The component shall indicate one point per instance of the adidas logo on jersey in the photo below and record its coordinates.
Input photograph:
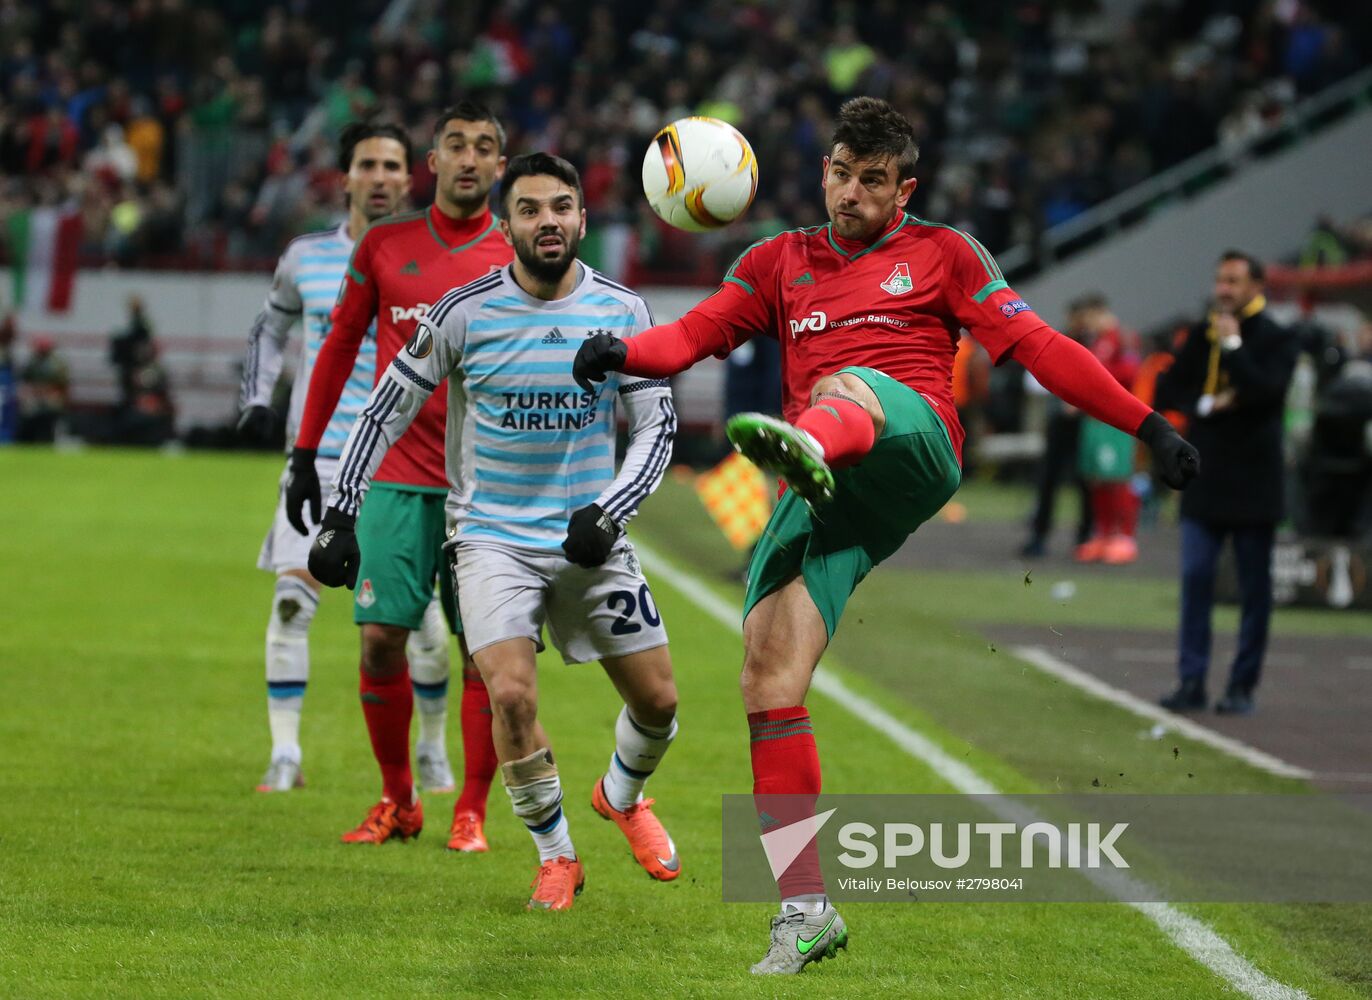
(805, 279)
(554, 337)
(411, 268)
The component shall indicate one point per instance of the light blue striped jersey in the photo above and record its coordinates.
(526, 447)
(305, 287)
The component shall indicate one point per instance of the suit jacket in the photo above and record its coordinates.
(1241, 477)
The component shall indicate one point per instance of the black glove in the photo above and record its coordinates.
(334, 555)
(1175, 458)
(591, 533)
(596, 356)
(256, 424)
(302, 484)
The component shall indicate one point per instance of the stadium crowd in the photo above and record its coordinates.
(200, 134)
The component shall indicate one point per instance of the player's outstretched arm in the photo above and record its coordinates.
(593, 529)
(714, 327)
(1072, 373)
(405, 385)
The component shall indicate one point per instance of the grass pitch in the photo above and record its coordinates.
(136, 860)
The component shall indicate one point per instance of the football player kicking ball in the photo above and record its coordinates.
(399, 266)
(375, 160)
(868, 311)
(537, 511)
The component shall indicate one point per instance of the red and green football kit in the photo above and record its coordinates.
(890, 312)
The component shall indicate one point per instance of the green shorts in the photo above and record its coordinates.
(401, 531)
(907, 477)
(1105, 454)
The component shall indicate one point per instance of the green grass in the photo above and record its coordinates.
(136, 861)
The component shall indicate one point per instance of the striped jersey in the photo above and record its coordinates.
(305, 288)
(526, 447)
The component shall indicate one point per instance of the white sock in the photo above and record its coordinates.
(810, 905)
(427, 651)
(536, 795)
(638, 751)
(288, 662)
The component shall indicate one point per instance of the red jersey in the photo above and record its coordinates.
(896, 305)
(400, 267)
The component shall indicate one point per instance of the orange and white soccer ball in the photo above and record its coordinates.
(699, 174)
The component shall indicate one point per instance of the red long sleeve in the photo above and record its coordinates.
(665, 350)
(1072, 373)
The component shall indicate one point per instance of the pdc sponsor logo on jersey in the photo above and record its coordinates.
(414, 313)
(816, 322)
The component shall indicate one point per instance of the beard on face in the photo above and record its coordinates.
(548, 270)
(468, 199)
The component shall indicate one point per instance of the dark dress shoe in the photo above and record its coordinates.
(1188, 697)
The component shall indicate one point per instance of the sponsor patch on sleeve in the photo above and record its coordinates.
(1013, 306)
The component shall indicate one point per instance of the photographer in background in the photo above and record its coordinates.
(1230, 378)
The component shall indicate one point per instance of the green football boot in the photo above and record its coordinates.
(789, 452)
(799, 938)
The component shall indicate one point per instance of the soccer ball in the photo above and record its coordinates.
(699, 174)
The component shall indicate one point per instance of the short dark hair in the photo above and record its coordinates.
(1090, 300)
(355, 132)
(536, 165)
(1255, 268)
(469, 111)
(869, 126)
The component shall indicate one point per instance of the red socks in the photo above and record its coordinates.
(842, 427)
(478, 749)
(786, 782)
(1114, 508)
(387, 703)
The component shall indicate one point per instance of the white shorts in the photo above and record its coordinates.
(591, 614)
(285, 548)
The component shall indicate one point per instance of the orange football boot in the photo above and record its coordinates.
(557, 884)
(466, 834)
(652, 848)
(1120, 550)
(1090, 550)
(386, 821)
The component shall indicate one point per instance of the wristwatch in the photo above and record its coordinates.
(1231, 343)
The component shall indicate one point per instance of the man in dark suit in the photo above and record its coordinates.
(1230, 378)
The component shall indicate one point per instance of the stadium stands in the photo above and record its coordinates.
(186, 133)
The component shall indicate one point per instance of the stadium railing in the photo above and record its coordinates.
(1185, 180)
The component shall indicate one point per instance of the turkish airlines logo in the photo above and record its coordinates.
(815, 323)
(399, 313)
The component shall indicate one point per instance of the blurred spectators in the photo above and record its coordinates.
(9, 396)
(127, 350)
(194, 133)
(44, 384)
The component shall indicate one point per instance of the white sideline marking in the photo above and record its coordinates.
(1195, 937)
(1093, 685)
